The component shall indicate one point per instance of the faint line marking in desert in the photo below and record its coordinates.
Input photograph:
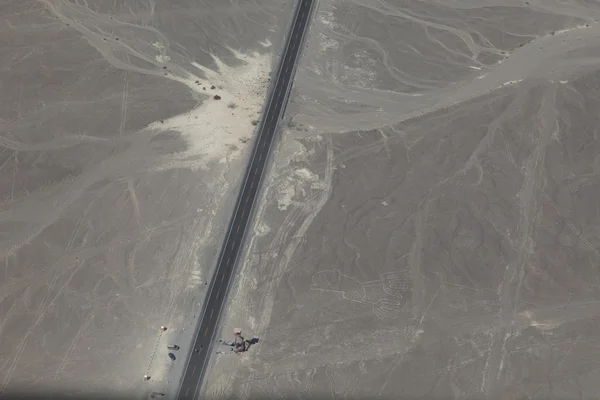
(384, 294)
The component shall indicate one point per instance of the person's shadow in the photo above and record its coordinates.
(251, 342)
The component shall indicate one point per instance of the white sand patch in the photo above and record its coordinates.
(361, 77)
(327, 18)
(294, 184)
(327, 43)
(309, 177)
(562, 31)
(219, 129)
(162, 59)
(315, 67)
(266, 43)
(292, 151)
(511, 83)
(261, 229)
(313, 137)
(285, 194)
(305, 174)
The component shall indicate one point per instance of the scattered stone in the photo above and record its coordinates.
(197, 82)
(217, 97)
(213, 87)
(164, 67)
(254, 122)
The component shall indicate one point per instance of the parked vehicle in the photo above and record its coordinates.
(172, 347)
(172, 356)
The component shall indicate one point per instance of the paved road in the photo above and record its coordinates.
(250, 187)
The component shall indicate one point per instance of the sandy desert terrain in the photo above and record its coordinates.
(430, 228)
(117, 164)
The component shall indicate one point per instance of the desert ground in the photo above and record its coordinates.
(117, 168)
(430, 228)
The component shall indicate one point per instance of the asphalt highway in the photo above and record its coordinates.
(197, 362)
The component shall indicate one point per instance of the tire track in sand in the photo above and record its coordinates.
(281, 266)
(40, 314)
(515, 271)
